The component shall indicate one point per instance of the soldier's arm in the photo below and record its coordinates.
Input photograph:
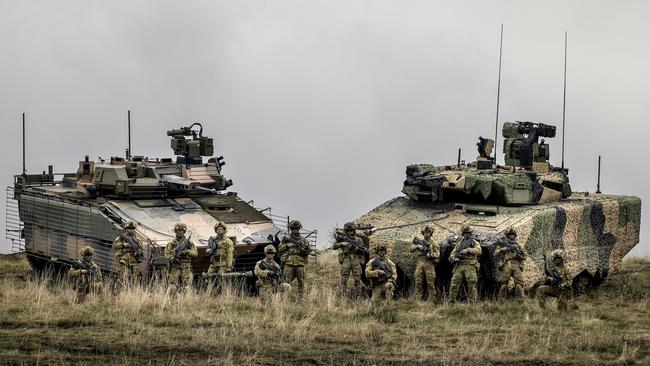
(169, 250)
(435, 251)
(259, 272)
(413, 247)
(337, 245)
(117, 244)
(370, 273)
(498, 251)
(393, 269)
(74, 273)
(452, 256)
(476, 249)
(230, 253)
(98, 273)
(192, 251)
(283, 247)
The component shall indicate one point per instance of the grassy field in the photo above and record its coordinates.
(40, 323)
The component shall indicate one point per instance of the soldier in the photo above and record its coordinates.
(353, 254)
(425, 271)
(87, 274)
(464, 257)
(294, 250)
(179, 252)
(382, 273)
(270, 277)
(221, 250)
(511, 264)
(558, 283)
(128, 255)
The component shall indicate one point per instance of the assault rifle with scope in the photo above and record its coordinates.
(425, 245)
(137, 250)
(275, 273)
(181, 250)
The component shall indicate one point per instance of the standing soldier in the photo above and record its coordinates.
(221, 250)
(128, 255)
(558, 282)
(295, 251)
(511, 264)
(382, 273)
(87, 275)
(270, 278)
(425, 270)
(464, 257)
(179, 252)
(354, 252)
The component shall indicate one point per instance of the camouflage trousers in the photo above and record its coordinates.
(512, 269)
(465, 272)
(215, 268)
(180, 276)
(425, 273)
(83, 289)
(128, 273)
(351, 267)
(383, 291)
(266, 290)
(563, 296)
(297, 272)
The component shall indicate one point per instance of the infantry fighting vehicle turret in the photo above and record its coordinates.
(527, 193)
(57, 214)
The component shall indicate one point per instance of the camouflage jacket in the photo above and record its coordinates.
(123, 251)
(223, 253)
(507, 254)
(567, 280)
(82, 278)
(433, 245)
(265, 275)
(347, 248)
(185, 258)
(297, 254)
(471, 255)
(377, 275)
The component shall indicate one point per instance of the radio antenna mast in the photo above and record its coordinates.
(564, 100)
(24, 170)
(496, 123)
(128, 150)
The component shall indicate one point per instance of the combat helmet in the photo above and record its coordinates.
(180, 227)
(466, 229)
(295, 224)
(558, 254)
(87, 251)
(220, 224)
(427, 228)
(129, 225)
(349, 226)
(269, 249)
(510, 231)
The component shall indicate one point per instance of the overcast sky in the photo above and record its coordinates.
(318, 106)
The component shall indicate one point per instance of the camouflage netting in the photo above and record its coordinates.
(596, 231)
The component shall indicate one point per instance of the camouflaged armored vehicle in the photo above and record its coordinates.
(528, 194)
(51, 216)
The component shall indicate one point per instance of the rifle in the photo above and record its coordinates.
(556, 279)
(425, 244)
(275, 272)
(180, 249)
(212, 246)
(382, 265)
(139, 254)
(305, 250)
(465, 245)
(512, 247)
(89, 269)
(354, 242)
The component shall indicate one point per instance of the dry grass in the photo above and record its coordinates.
(40, 323)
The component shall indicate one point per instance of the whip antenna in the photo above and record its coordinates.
(24, 170)
(564, 100)
(496, 124)
(128, 150)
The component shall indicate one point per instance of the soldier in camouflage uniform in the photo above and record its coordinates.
(294, 250)
(180, 261)
(425, 271)
(221, 250)
(351, 258)
(511, 264)
(128, 256)
(559, 287)
(464, 257)
(270, 278)
(87, 274)
(382, 273)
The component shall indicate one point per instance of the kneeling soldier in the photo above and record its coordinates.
(382, 273)
(425, 270)
(295, 251)
(128, 255)
(558, 283)
(270, 278)
(179, 252)
(87, 275)
(221, 250)
(511, 264)
(464, 257)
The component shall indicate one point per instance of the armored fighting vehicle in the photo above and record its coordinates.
(54, 215)
(527, 193)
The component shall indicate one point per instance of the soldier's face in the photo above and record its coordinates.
(295, 231)
(467, 235)
(381, 254)
(349, 232)
(88, 257)
(220, 231)
(269, 255)
(427, 234)
(180, 233)
(512, 237)
(130, 232)
(558, 261)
